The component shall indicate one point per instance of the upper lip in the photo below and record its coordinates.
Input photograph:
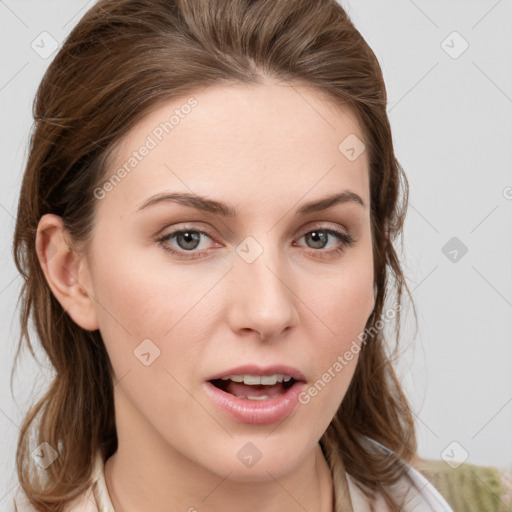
(252, 369)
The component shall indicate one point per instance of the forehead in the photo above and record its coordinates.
(252, 143)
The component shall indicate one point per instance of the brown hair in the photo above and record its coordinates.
(122, 59)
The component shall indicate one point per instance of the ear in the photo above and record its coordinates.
(66, 272)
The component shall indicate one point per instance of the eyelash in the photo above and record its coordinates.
(345, 241)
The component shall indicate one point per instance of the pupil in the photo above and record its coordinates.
(319, 239)
(190, 238)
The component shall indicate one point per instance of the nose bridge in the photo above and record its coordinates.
(262, 298)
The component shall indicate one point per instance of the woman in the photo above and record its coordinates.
(205, 229)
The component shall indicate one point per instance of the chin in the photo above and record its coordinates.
(260, 460)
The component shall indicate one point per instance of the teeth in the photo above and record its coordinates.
(264, 397)
(255, 380)
(252, 380)
(234, 378)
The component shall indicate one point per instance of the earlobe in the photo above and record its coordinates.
(65, 271)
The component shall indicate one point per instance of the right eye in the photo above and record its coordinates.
(187, 240)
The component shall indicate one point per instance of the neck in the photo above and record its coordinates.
(145, 473)
(139, 480)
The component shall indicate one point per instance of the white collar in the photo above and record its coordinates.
(427, 499)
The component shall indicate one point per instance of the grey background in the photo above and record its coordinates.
(452, 122)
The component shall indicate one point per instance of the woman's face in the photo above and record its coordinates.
(261, 282)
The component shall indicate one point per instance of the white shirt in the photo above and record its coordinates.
(428, 499)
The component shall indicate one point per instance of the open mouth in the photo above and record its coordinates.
(254, 395)
(253, 387)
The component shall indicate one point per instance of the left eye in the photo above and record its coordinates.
(319, 237)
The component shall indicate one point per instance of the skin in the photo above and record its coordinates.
(264, 150)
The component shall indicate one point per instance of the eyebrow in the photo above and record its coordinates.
(220, 208)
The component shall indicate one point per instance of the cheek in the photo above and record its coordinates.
(344, 313)
(130, 307)
(147, 321)
(137, 301)
(339, 312)
(345, 300)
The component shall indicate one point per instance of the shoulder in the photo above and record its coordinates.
(94, 499)
(474, 486)
(85, 502)
(413, 491)
(422, 495)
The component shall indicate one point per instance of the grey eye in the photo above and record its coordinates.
(318, 237)
(187, 240)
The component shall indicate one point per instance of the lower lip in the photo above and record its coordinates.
(256, 412)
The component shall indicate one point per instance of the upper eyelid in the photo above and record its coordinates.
(321, 225)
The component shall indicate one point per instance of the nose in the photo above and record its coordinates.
(262, 297)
